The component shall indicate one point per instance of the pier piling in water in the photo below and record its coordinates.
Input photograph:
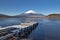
(19, 31)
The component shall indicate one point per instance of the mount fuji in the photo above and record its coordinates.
(29, 14)
(32, 14)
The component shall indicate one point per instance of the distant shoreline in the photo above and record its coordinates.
(48, 16)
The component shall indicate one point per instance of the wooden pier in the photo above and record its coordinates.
(17, 31)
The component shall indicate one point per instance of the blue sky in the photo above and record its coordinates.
(15, 7)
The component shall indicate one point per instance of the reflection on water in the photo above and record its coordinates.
(10, 21)
(48, 29)
(33, 19)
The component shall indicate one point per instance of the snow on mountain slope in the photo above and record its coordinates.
(30, 12)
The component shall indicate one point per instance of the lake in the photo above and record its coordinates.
(48, 29)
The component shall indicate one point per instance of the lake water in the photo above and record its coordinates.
(48, 29)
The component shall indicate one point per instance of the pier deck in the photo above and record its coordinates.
(18, 31)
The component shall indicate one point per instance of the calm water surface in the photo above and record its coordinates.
(48, 29)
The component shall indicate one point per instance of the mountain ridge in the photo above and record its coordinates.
(21, 15)
(31, 14)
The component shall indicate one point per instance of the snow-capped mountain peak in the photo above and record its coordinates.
(30, 11)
